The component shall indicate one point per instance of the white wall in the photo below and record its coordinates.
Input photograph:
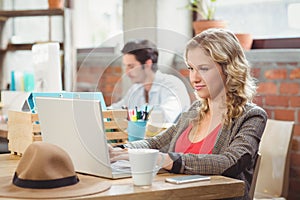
(164, 22)
(177, 20)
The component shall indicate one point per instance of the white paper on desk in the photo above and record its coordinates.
(47, 67)
(13, 100)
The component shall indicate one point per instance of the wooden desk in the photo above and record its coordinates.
(218, 187)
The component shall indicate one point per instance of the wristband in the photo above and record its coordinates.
(122, 146)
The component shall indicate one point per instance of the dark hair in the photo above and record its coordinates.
(143, 50)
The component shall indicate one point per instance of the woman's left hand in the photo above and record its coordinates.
(167, 161)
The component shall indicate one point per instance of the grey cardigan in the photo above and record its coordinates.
(233, 155)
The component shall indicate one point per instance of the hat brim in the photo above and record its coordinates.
(87, 185)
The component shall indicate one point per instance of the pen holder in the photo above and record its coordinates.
(136, 130)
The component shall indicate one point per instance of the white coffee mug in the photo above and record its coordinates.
(144, 165)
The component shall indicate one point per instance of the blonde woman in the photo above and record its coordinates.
(221, 132)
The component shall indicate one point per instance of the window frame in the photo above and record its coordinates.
(276, 43)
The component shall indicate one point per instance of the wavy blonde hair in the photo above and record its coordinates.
(223, 48)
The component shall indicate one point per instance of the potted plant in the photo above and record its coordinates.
(245, 40)
(204, 15)
(56, 4)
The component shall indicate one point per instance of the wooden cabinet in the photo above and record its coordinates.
(66, 45)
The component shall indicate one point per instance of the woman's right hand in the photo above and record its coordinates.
(117, 153)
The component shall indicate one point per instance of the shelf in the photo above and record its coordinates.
(28, 46)
(66, 45)
(28, 13)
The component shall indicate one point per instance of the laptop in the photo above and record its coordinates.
(76, 125)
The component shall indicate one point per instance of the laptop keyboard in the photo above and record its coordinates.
(121, 166)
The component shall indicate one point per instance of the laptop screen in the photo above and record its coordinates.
(76, 125)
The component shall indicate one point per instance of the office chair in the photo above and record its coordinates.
(255, 174)
(273, 175)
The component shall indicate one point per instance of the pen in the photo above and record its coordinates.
(145, 114)
(128, 114)
(136, 111)
(131, 114)
(134, 118)
(148, 114)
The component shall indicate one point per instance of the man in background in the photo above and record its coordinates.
(166, 93)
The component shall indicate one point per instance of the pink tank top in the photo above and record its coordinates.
(205, 146)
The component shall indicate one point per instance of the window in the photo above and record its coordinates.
(95, 21)
(294, 15)
(273, 23)
(20, 32)
(262, 18)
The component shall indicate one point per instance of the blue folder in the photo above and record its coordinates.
(69, 95)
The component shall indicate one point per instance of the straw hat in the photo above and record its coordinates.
(46, 171)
